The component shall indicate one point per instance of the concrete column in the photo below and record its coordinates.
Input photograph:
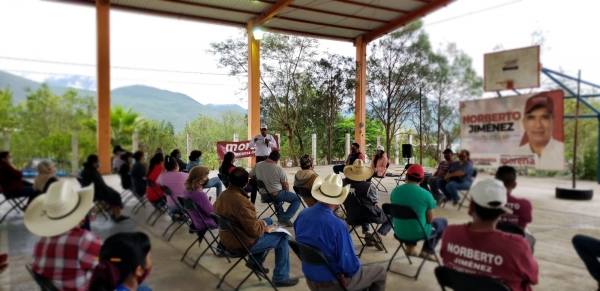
(6, 141)
(347, 145)
(360, 102)
(253, 86)
(74, 155)
(379, 140)
(444, 144)
(314, 149)
(103, 80)
(397, 150)
(189, 144)
(136, 142)
(236, 137)
(278, 140)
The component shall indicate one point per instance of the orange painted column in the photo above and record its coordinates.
(360, 113)
(253, 87)
(103, 80)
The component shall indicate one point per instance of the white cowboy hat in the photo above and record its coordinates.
(330, 190)
(58, 210)
(358, 171)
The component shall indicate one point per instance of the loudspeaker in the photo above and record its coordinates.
(407, 150)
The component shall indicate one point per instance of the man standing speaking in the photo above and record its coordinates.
(262, 144)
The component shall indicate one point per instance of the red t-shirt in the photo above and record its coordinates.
(151, 193)
(521, 211)
(496, 254)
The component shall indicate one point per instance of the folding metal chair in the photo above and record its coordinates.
(299, 191)
(226, 225)
(189, 206)
(465, 193)
(406, 213)
(510, 228)
(16, 204)
(312, 256)
(402, 178)
(268, 198)
(353, 202)
(160, 206)
(458, 281)
(182, 220)
(98, 204)
(378, 180)
(44, 283)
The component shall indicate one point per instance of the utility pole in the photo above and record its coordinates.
(420, 127)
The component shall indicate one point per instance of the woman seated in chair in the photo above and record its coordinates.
(102, 192)
(11, 180)
(155, 193)
(46, 176)
(124, 170)
(174, 180)
(138, 174)
(195, 159)
(227, 167)
(194, 185)
(379, 163)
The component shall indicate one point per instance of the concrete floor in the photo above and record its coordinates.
(555, 222)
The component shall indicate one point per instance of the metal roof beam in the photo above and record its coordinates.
(272, 11)
(373, 6)
(405, 19)
(323, 24)
(329, 12)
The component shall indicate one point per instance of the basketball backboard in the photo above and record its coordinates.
(512, 69)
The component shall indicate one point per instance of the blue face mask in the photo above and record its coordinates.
(98, 166)
(199, 160)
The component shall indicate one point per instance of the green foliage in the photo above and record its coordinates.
(346, 125)
(8, 119)
(123, 123)
(587, 139)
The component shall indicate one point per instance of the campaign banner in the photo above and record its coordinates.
(524, 131)
(241, 149)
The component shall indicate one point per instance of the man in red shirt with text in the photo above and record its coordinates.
(520, 207)
(478, 248)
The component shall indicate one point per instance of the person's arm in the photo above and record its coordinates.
(14, 173)
(429, 216)
(89, 250)
(252, 143)
(252, 173)
(437, 170)
(373, 194)
(283, 179)
(385, 160)
(430, 207)
(246, 216)
(203, 203)
(276, 145)
(373, 166)
(285, 186)
(361, 156)
(526, 263)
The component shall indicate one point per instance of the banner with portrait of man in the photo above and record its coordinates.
(525, 131)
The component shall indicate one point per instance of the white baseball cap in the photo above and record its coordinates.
(263, 126)
(380, 148)
(491, 194)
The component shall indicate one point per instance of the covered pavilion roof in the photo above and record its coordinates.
(343, 20)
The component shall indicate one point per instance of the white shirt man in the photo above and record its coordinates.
(262, 144)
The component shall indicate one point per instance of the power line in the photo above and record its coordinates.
(113, 67)
(118, 78)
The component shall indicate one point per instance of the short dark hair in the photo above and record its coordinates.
(468, 153)
(92, 159)
(412, 178)
(4, 154)
(448, 151)
(274, 156)
(138, 155)
(126, 156)
(117, 149)
(194, 155)
(239, 177)
(356, 145)
(175, 153)
(508, 176)
(170, 163)
(487, 214)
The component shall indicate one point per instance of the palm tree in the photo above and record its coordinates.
(123, 123)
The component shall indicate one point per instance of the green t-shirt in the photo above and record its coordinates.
(420, 200)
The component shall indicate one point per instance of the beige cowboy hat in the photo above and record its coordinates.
(58, 210)
(330, 190)
(358, 171)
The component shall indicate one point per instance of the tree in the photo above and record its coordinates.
(374, 127)
(396, 72)
(123, 123)
(8, 119)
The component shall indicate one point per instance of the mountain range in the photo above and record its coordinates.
(151, 102)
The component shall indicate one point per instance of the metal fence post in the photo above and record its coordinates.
(74, 155)
(136, 141)
(314, 149)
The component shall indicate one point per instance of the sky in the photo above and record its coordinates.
(176, 50)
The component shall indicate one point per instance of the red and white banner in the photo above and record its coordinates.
(525, 131)
(241, 149)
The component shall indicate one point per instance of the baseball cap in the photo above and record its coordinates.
(539, 100)
(416, 171)
(380, 148)
(263, 126)
(491, 194)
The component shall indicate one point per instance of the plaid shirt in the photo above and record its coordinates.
(67, 259)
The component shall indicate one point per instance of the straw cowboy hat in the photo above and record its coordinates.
(358, 171)
(330, 190)
(58, 210)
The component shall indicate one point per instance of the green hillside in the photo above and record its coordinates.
(152, 102)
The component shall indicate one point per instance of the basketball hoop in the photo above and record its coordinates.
(508, 85)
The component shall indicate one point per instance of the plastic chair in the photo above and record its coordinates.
(379, 178)
(44, 283)
(226, 225)
(458, 281)
(190, 207)
(312, 256)
(406, 213)
(353, 202)
(267, 198)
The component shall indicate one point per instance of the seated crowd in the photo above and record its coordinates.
(74, 258)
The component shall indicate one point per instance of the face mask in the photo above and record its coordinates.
(199, 160)
(143, 277)
(145, 159)
(98, 166)
(10, 160)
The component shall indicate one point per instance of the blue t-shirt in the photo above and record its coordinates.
(141, 287)
(466, 168)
